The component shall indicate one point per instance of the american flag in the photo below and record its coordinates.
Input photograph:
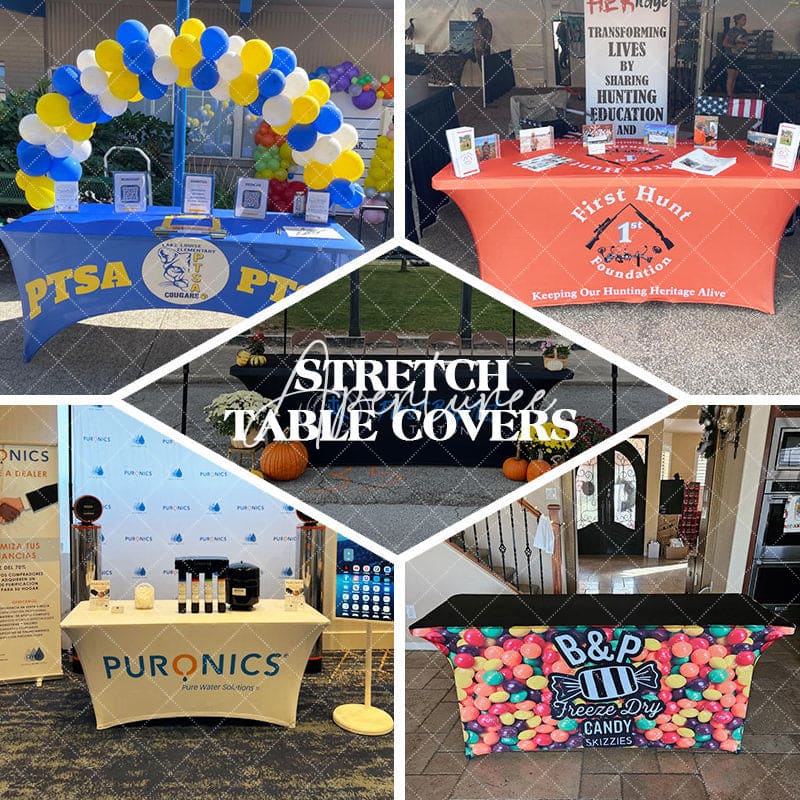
(731, 106)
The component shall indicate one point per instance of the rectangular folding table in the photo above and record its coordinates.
(156, 664)
(555, 672)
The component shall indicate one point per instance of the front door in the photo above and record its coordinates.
(610, 501)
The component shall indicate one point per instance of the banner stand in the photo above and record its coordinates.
(364, 718)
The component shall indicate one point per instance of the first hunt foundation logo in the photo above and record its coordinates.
(607, 692)
(185, 271)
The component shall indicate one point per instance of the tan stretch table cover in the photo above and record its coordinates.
(155, 664)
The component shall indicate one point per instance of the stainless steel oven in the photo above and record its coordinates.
(775, 578)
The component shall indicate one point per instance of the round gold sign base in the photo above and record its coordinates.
(366, 720)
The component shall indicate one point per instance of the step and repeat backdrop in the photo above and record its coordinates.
(162, 500)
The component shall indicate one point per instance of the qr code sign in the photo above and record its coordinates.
(251, 198)
(130, 194)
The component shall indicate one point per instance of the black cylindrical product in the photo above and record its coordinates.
(181, 587)
(222, 592)
(243, 586)
(195, 593)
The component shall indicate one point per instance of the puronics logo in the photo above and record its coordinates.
(189, 665)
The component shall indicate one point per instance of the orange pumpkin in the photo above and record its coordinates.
(284, 461)
(515, 468)
(537, 468)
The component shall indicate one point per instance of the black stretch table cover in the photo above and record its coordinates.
(603, 610)
(527, 376)
(430, 113)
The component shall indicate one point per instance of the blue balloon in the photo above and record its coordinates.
(302, 137)
(104, 118)
(67, 80)
(284, 60)
(214, 42)
(271, 82)
(132, 31)
(351, 197)
(205, 75)
(329, 119)
(139, 57)
(65, 169)
(150, 87)
(257, 106)
(85, 107)
(33, 158)
(339, 190)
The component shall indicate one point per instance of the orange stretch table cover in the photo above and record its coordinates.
(626, 227)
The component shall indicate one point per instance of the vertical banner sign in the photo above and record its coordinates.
(30, 597)
(162, 501)
(627, 61)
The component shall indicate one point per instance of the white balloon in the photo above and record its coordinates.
(235, 44)
(94, 80)
(221, 91)
(302, 158)
(165, 70)
(85, 59)
(296, 83)
(326, 150)
(347, 136)
(60, 145)
(229, 66)
(113, 106)
(277, 110)
(33, 130)
(161, 38)
(81, 150)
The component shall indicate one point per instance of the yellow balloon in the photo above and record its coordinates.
(244, 89)
(305, 109)
(22, 179)
(108, 55)
(285, 150)
(137, 97)
(123, 84)
(43, 182)
(39, 198)
(79, 131)
(349, 166)
(282, 130)
(256, 56)
(318, 176)
(185, 51)
(53, 109)
(193, 27)
(319, 90)
(184, 78)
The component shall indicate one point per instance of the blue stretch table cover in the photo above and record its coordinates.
(72, 266)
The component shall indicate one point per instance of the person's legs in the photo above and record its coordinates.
(731, 82)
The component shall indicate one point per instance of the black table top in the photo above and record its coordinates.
(600, 610)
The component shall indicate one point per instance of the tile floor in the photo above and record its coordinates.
(630, 575)
(768, 766)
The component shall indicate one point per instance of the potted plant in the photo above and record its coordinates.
(243, 399)
(555, 355)
(253, 354)
(544, 454)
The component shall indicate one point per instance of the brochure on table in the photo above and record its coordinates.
(461, 143)
(198, 194)
(67, 197)
(318, 206)
(785, 154)
(702, 163)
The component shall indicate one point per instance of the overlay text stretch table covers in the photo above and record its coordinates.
(156, 664)
(626, 227)
(554, 672)
(72, 266)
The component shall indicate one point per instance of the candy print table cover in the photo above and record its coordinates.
(624, 226)
(556, 672)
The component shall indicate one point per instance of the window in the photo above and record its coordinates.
(216, 130)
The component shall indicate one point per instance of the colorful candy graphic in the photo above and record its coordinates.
(687, 687)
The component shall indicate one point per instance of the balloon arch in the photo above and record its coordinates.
(142, 63)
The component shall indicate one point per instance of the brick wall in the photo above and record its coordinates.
(22, 48)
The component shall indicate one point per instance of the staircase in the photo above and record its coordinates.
(503, 545)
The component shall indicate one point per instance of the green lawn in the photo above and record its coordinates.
(421, 300)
